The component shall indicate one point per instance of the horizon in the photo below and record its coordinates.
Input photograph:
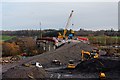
(61, 29)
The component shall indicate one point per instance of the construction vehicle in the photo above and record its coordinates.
(71, 65)
(56, 62)
(60, 36)
(70, 36)
(102, 75)
(83, 39)
(87, 55)
(72, 32)
(95, 53)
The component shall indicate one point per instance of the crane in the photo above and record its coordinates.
(67, 25)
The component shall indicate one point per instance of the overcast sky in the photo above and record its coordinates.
(87, 15)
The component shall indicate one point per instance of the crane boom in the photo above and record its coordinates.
(68, 23)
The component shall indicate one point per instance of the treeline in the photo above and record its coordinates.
(20, 45)
(83, 32)
(54, 33)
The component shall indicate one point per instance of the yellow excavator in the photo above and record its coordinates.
(60, 36)
(87, 55)
(93, 54)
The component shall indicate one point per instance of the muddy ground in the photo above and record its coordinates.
(71, 51)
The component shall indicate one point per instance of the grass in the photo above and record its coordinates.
(118, 37)
(5, 37)
(103, 40)
(103, 37)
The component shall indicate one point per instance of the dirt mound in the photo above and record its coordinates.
(97, 65)
(24, 72)
(64, 54)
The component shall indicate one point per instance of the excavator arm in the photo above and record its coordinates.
(85, 53)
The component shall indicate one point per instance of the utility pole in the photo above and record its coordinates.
(40, 31)
(116, 39)
(105, 38)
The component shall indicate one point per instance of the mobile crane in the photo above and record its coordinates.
(60, 36)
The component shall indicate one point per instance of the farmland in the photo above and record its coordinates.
(104, 40)
(5, 37)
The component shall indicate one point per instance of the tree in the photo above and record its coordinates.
(10, 49)
(27, 44)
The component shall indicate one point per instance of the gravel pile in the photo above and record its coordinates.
(70, 51)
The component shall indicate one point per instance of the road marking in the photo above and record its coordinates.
(59, 76)
(56, 68)
(51, 76)
(67, 75)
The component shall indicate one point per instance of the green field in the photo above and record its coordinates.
(118, 37)
(104, 40)
(5, 37)
(104, 36)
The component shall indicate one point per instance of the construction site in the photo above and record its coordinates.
(65, 57)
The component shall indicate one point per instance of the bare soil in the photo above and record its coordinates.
(71, 51)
